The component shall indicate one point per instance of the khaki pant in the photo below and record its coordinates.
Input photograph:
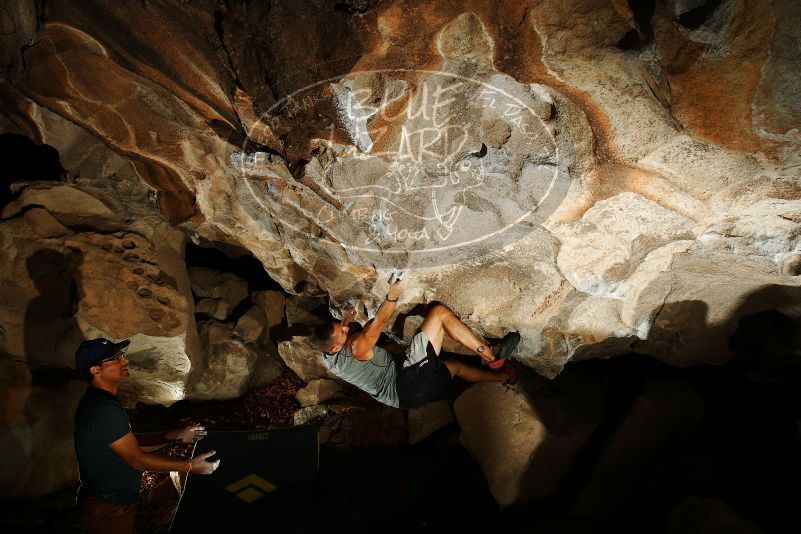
(98, 517)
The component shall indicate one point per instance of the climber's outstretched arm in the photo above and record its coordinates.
(363, 342)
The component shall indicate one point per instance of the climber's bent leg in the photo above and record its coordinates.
(425, 377)
(475, 374)
(440, 320)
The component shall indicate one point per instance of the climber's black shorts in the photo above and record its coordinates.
(422, 379)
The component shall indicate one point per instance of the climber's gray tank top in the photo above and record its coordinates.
(375, 376)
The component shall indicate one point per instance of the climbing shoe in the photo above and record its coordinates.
(507, 346)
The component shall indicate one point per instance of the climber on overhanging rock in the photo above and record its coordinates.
(422, 377)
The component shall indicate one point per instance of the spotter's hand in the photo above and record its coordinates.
(188, 434)
(201, 467)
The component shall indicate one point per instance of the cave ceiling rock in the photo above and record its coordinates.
(612, 87)
(272, 215)
(257, 131)
(705, 292)
(751, 47)
(18, 30)
(691, 167)
(239, 216)
(171, 145)
(777, 101)
(703, 134)
(218, 193)
(654, 129)
(659, 149)
(600, 250)
(89, 164)
(188, 62)
(500, 164)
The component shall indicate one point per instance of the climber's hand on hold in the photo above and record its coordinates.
(398, 287)
(348, 314)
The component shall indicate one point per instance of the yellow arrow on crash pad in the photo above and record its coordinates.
(248, 488)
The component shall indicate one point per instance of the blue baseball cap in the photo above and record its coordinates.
(91, 351)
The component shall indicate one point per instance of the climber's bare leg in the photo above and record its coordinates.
(475, 374)
(440, 320)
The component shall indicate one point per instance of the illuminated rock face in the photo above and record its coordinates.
(599, 179)
(58, 291)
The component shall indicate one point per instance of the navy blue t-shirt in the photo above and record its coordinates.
(100, 420)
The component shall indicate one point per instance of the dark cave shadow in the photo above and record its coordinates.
(51, 336)
(24, 160)
(762, 379)
(758, 336)
(50, 328)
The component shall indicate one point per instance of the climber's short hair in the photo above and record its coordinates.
(322, 332)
